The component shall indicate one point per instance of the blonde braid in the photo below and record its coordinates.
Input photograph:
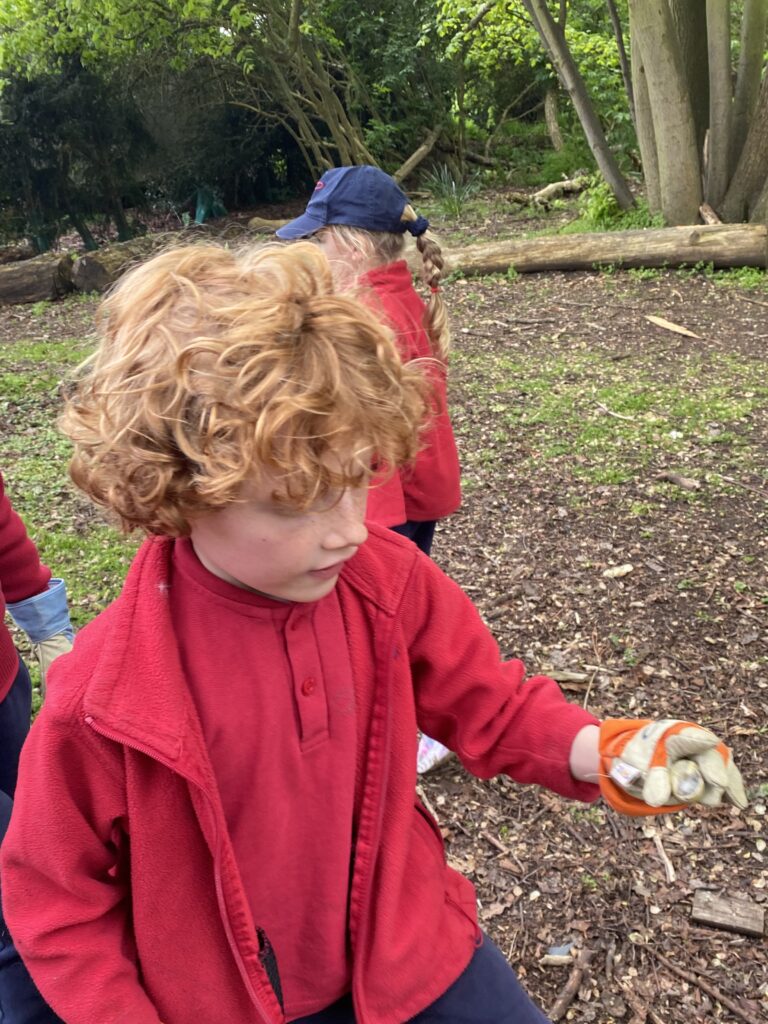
(436, 316)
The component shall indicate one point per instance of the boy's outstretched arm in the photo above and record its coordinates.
(496, 720)
(647, 767)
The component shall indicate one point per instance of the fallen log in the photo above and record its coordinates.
(722, 245)
(96, 271)
(36, 280)
(559, 188)
(16, 253)
(264, 226)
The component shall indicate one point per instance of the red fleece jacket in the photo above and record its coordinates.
(431, 488)
(119, 882)
(22, 575)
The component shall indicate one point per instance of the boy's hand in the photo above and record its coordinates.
(647, 766)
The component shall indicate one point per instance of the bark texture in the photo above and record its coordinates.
(720, 100)
(673, 123)
(35, 280)
(723, 245)
(754, 23)
(751, 173)
(646, 137)
(552, 37)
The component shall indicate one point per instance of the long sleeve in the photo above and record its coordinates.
(63, 878)
(480, 706)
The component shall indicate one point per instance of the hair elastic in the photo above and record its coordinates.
(417, 227)
(434, 288)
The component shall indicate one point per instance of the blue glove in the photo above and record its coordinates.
(44, 615)
(45, 620)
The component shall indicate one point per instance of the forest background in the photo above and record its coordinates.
(112, 110)
(612, 425)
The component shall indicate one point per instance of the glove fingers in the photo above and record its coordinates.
(688, 782)
(690, 742)
(657, 788)
(713, 768)
(734, 789)
(713, 796)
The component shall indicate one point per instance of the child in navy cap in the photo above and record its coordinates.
(360, 215)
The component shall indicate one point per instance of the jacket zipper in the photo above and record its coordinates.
(117, 738)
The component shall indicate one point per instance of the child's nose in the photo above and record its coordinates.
(347, 528)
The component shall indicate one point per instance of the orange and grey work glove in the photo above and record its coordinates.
(650, 767)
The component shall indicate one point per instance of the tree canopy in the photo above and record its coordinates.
(252, 98)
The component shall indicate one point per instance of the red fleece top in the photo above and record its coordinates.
(431, 488)
(281, 737)
(120, 884)
(22, 575)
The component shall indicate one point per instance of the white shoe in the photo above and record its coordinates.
(430, 754)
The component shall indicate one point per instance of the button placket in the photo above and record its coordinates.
(308, 683)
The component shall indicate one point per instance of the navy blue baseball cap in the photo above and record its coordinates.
(360, 197)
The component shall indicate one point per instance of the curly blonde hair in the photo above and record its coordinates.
(215, 364)
(381, 247)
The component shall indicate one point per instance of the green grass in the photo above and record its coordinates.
(73, 540)
(606, 428)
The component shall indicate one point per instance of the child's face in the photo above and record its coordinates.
(292, 556)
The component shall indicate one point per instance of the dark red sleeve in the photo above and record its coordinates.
(482, 707)
(22, 574)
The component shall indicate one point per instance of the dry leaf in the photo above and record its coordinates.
(617, 571)
(669, 326)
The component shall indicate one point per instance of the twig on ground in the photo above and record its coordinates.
(756, 302)
(668, 866)
(738, 483)
(616, 415)
(572, 986)
(705, 987)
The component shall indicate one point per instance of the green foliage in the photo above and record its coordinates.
(507, 69)
(751, 278)
(451, 195)
(78, 140)
(599, 211)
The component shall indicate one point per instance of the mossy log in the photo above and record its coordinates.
(96, 271)
(16, 253)
(722, 245)
(36, 280)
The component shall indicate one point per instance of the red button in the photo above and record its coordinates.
(308, 686)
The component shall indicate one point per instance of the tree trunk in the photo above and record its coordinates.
(35, 280)
(550, 117)
(673, 125)
(626, 72)
(690, 20)
(749, 178)
(554, 42)
(78, 223)
(759, 214)
(720, 100)
(754, 23)
(646, 138)
(413, 161)
(722, 245)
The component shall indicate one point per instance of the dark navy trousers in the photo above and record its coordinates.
(488, 992)
(421, 534)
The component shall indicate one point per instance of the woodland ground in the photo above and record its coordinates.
(613, 533)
